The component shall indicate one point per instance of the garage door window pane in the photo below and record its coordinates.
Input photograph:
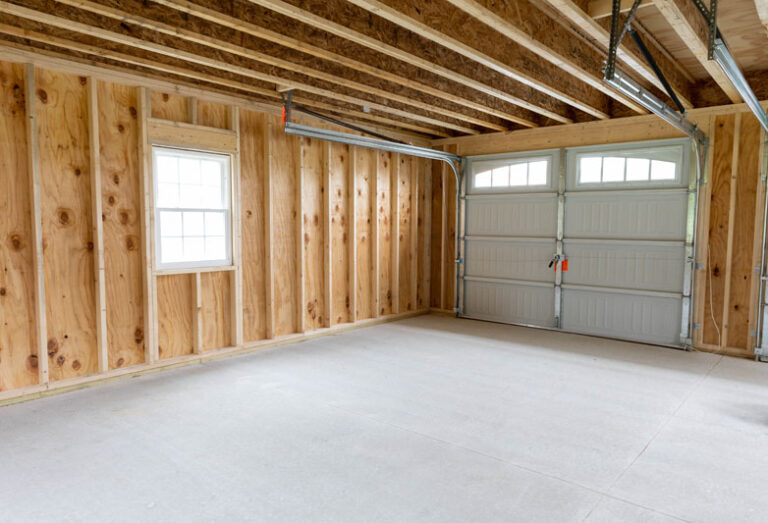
(192, 208)
(483, 179)
(516, 174)
(613, 169)
(537, 173)
(500, 177)
(590, 169)
(637, 169)
(636, 166)
(662, 170)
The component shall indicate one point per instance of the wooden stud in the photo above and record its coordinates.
(754, 292)
(300, 253)
(394, 188)
(269, 276)
(98, 227)
(327, 234)
(700, 293)
(415, 172)
(731, 216)
(237, 236)
(427, 252)
(197, 315)
(443, 237)
(352, 232)
(374, 196)
(192, 109)
(33, 174)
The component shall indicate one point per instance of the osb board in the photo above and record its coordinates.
(365, 171)
(436, 267)
(742, 270)
(216, 299)
(121, 197)
(284, 171)
(422, 287)
(212, 114)
(405, 232)
(314, 235)
(169, 106)
(252, 206)
(340, 233)
(18, 354)
(719, 206)
(175, 304)
(62, 118)
(384, 209)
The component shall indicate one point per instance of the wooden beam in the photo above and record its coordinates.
(571, 11)
(546, 38)
(414, 261)
(237, 237)
(178, 133)
(100, 292)
(466, 99)
(300, 253)
(269, 261)
(691, 26)
(394, 198)
(327, 235)
(374, 195)
(731, 230)
(33, 175)
(352, 232)
(146, 45)
(604, 8)
(359, 115)
(427, 249)
(147, 244)
(509, 95)
(435, 21)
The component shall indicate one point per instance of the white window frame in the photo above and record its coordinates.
(227, 185)
(484, 163)
(625, 150)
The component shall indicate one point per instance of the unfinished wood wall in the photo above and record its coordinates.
(325, 234)
(730, 213)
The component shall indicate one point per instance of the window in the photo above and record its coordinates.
(192, 208)
(530, 172)
(634, 166)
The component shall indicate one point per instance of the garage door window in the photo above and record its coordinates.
(517, 173)
(192, 208)
(634, 166)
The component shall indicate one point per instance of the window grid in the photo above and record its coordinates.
(192, 208)
(628, 167)
(526, 173)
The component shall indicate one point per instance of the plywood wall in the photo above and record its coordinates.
(317, 225)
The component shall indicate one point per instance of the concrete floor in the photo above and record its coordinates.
(428, 419)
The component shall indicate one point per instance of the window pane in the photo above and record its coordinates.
(167, 195)
(191, 196)
(637, 169)
(483, 179)
(167, 169)
(194, 249)
(170, 223)
(189, 170)
(193, 224)
(613, 169)
(589, 170)
(215, 248)
(518, 174)
(172, 250)
(214, 224)
(662, 170)
(211, 172)
(537, 173)
(212, 197)
(500, 176)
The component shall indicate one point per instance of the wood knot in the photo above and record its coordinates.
(2, 291)
(16, 243)
(133, 112)
(111, 200)
(78, 172)
(42, 96)
(90, 246)
(120, 128)
(316, 219)
(64, 216)
(130, 243)
(125, 217)
(248, 214)
(60, 360)
(76, 365)
(53, 347)
(83, 80)
(32, 361)
(165, 97)
(116, 180)
(138, 335)
(120, 362)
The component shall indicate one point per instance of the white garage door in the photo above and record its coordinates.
(620, 217)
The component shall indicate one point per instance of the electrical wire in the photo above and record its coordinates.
(711, 307)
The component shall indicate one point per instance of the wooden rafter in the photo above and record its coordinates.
(604, 8)
(691, 27)
(547, 39)
(598, 31)
(200, 41)
(436, 21)
(384, 43)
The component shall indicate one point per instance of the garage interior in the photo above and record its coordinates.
(383, 260)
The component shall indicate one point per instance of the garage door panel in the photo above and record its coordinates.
(642, 215)
(512, 215)
(619, 315)
(510, 259)
(630, 265)
(510, 302)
